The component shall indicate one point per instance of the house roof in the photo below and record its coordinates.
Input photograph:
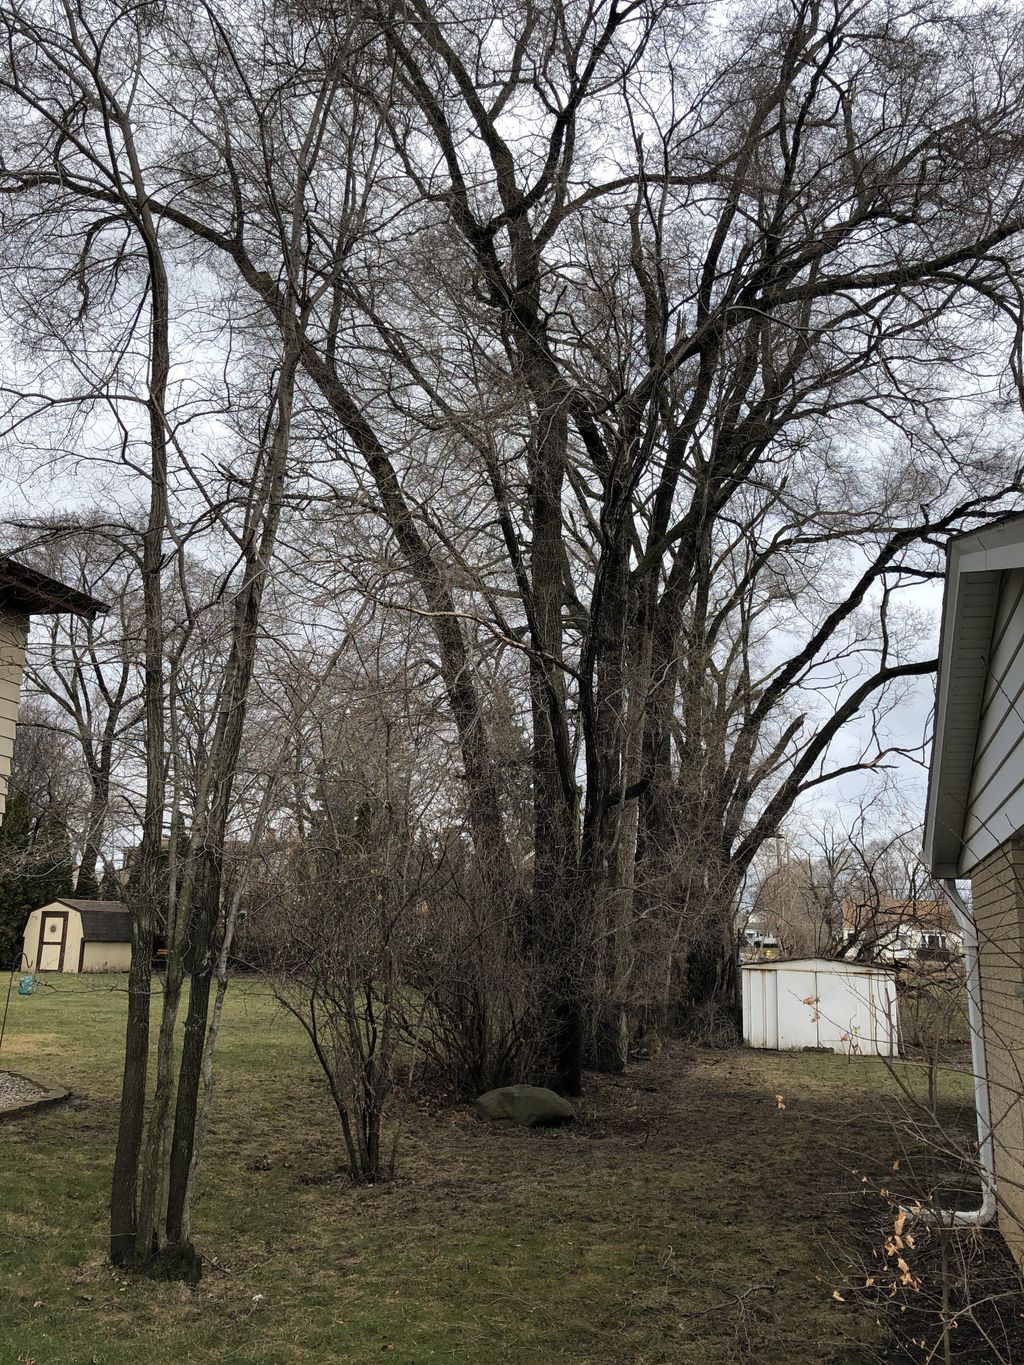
(975, 563)
(26, 590)
(103, 921)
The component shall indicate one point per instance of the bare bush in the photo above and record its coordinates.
(481, 990)
(345, 922)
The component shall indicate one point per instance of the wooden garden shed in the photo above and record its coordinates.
(78, 936)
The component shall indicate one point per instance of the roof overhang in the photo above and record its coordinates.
(30, 593)
(975, 564)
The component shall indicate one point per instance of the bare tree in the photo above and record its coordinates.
(670, 340)
(85, 101)
(87, 671)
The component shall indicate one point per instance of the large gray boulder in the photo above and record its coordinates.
(530, 1106)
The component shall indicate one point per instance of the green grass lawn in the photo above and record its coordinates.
(644, 1234)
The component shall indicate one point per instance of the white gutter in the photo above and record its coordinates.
(973, 1218)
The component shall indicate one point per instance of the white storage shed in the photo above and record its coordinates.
(818, 1002)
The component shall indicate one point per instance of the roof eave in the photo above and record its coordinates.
(26, 590)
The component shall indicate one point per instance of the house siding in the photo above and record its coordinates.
(13, 638)
(998, 890)
(995, 810)
(961, 695)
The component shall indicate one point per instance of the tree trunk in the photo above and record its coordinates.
(559, 909)
(132, 1112)
(182, 1144)
(124, 1178)
(711, 977)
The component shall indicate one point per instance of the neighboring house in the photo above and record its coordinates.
(974, 826)
(891, 930)
(25, 593)
(756, 940)
(78, 936)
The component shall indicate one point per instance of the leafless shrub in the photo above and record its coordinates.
(478, 992)
(346, 923)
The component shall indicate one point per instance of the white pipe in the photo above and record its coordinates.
(975, 1217)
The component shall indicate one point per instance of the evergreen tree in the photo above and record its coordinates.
(35, 868)
(87, 888)
(110, 888)
(16, 889)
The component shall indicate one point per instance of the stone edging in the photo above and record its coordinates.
(52, 1095)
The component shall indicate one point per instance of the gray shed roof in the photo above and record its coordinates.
(103, 921)
(828, 964)
(975, 563)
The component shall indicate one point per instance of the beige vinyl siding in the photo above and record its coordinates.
(995, 810)
(107, 957)
(998, 888)
(961, 694)
(30, 943)
(13, 637)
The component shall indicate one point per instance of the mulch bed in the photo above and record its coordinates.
(927, 1283)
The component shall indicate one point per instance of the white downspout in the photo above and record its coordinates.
(979, 1066)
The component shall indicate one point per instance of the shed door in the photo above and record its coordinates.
(53, 933)
(843, 1010)
(796, 1017)
(850, 1020)
(770, 1006)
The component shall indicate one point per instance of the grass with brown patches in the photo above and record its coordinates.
(687, 1218)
